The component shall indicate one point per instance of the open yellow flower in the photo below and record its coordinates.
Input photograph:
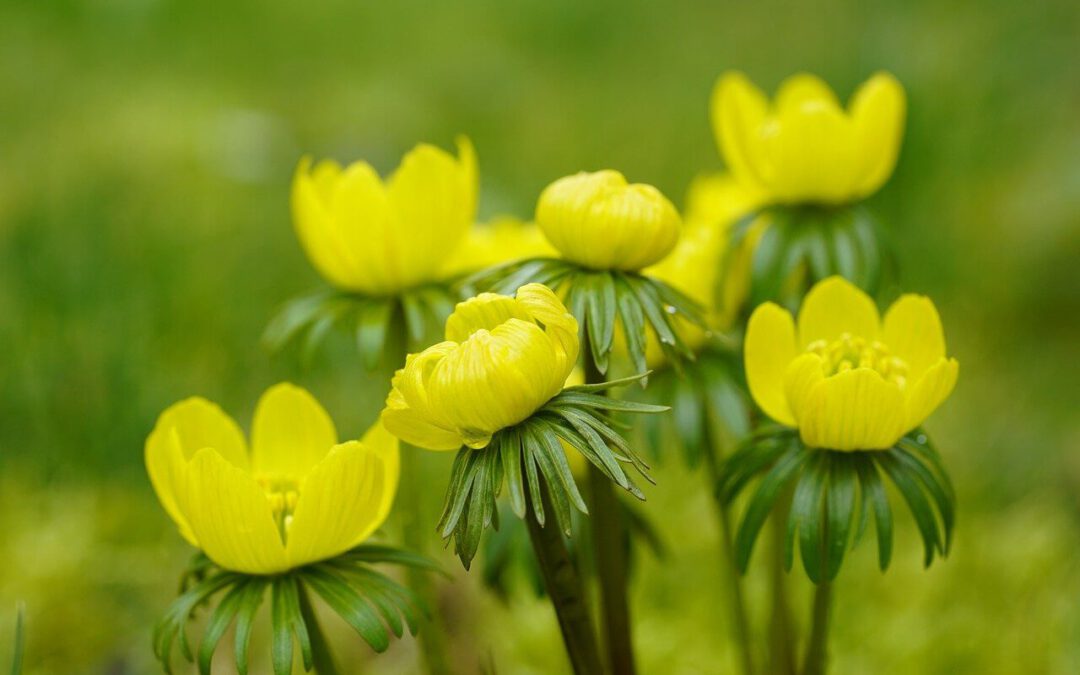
(503, 358)
(804, 147)
(297, 497)
(374, 237)
(505, 239)
(847, 380)
(599, 221)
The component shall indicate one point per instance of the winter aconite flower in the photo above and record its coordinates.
(503, 358)
(803, 146)
(297, 497)
(599, 221)
(379, 237)
(847, 380)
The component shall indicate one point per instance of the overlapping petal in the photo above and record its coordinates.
(835, 306)
(291, 432)
(600, 221)
(503, 359)
(855, 410)
(769, 349)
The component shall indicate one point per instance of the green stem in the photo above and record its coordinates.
(565, 590)
(322, 657)
(20, 639)
(610, 551)
(739, 616)
(415, 529)
(816, 651)
(781, 633)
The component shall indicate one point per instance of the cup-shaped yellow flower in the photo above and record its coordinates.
(847, 380)
(504, 357)
(297, 497)
(803, 146)
(379, 237)
(599, 221)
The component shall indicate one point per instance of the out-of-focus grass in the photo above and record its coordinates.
(145, 152)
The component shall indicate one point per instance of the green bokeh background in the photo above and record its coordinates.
(146, 148)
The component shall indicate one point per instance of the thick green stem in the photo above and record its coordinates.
(781, 633)
(816, 650)
(416, 532)
(322, 657)
(565, 590)
(610, 551)
(739, 616)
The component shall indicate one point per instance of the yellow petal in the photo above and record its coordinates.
(912, 331)
(496, 379)
(878, 110)
(768, 349)
(719, 199)
(854, 410)
(505, 239)
(738, 110)
(835, 306)
(435, 208)
(315, 225)
(544, 306)
(230, 516)
(801, 89)
(367, 231)
(181, 431)
(385, 446)
(930, 390)
(470, 174)
(486, 310)
(408, 415)
(342, 501)
(291, 432)
(804, 373)
(813, 153)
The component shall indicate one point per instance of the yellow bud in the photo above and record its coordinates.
(503, 358)
(380, 237)
(599, 221)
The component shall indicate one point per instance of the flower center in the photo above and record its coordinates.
(851, 351)
(282, 492)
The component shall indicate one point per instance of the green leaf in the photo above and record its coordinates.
(292, 318)
(774, 482)
(510, 451)
(766, 267)
(873, 491)
(534, 479)
(348, 604)
(633, 323)
(689, 420)
(599, 290)
(245, 619)
(373, 319)
(745, 463)
(578, 398)
(810, 516)
(220, 619)
(840, 507)
(281, 651)
(605, 386)
(462, 477)
(938, 492)
(375, 553)
(556, 459)
(415, 319)
(916, 501)
(676, 300)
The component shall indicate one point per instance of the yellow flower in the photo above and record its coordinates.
(804, 147)
(846, 380)
(505, 239)
(503, 358)
(297, 497)
(720, 200)
(599, 221)
(374, 237)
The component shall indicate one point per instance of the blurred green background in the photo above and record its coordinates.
(146, 148)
